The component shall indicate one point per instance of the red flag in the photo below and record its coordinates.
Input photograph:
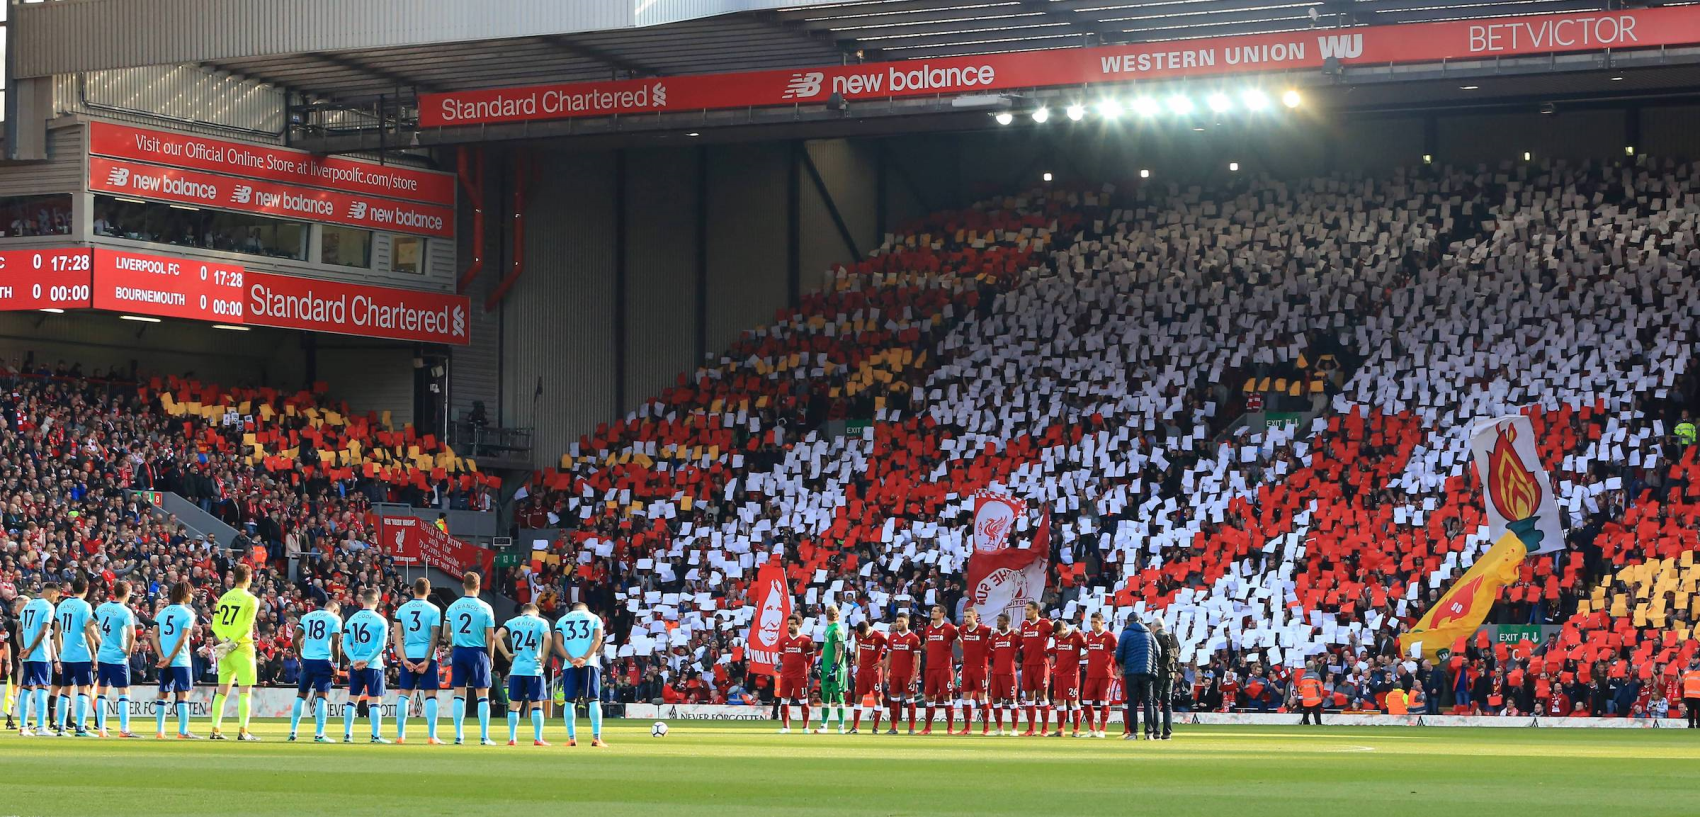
(772, 602)
(1003, 578)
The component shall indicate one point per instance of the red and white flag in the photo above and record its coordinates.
(772, 602)
(1002, 578)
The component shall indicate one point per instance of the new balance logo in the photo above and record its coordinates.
(357, 210)
(119, 177)
(242, 194)
(804, 85)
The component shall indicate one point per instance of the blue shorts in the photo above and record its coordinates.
(78, 674)
(430, 680)
(470, 667)
(525, 689)
(113, 674)
(368, 682)
(175, 679)
(316, 675)
(582, 683)
(37, 673)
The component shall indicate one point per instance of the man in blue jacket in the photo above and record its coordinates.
(1136, 652)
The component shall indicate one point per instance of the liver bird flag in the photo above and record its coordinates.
(1522, 519)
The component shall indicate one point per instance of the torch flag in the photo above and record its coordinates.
(1001, 578)
(1519, 494)
(1522, 520)
(771, 599)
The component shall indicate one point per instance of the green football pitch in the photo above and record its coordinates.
(747, 769)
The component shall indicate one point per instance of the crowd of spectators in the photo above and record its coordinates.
(1090, 352)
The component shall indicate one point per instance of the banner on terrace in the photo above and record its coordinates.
(1001, 577)
(772, 602)
(1522, 519)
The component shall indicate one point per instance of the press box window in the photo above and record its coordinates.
(407, 254)
(345, 246)
(35, 215)
(194, 227)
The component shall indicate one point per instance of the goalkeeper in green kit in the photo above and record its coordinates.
(834, 671)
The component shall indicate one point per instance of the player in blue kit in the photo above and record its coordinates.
(171, 636)
(37, 653)
(418, 628)
(117, 627)
(530, 637)
(76, 634)
(579, 643)
(363, 640)
(318, 636)
(472, 631)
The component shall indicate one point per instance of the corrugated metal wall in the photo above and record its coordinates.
(268, 357)
(61, 173)
(661, 315)
(747, 275)
(558, 323)
(371, 377)
(850, 172)
(183, 97)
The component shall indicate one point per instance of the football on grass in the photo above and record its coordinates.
(659, 730)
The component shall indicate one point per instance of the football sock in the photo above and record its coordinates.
(182, 717)
(159, 716)
(911, 716)
(895, 715)
(513, 724)
(100, 713)
(805, 716)
(484, 718)
(375, 710)
(595, 708)
(64, 705)
(537, 723)
(929, 721)
(321, 709)
(857, 723)
(401, 704)
(217, 710)
(295, 715)
(431, 716)
(244, 708)
(82, 712)
(572, 720)
(124, 714)
(950, 719)
(348, 713)
(785, 715)
(1028, 710)
(459, 710)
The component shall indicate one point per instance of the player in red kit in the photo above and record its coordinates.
(1005, 646)
(976, 641)
(939, 682)
(902, 669)
(870, 653)
(1100, 670)
(1035, 671)
(796, 655)
(1068, 648)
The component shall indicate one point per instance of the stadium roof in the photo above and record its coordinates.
(830, 33)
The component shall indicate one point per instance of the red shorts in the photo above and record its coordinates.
(1034, 678)
(792, 688)
(900, 686)
(867, 683)
(938, 684)
(1097, 691)
(1067, 688)
(973, 683)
